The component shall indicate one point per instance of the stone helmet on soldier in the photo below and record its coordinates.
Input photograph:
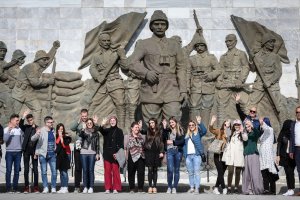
(200, 44)
(19, 56)
(3, 50)
(42, 58)
(158, 15)
(266, 38)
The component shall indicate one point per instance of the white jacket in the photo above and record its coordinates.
(234, 151)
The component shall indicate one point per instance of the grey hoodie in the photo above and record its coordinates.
(13, 139)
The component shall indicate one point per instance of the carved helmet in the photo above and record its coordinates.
(40, 54)
(158, 15)
(199, 40)
(3, 45)
(18, 54)
(267, 37)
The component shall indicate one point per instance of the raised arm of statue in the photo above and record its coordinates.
(52, 52)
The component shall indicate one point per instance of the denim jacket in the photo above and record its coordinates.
(196, 140)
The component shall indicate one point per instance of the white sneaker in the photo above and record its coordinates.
(91, 190)
(289, 193)
(63, 190)
(53, 190)
(174, 191)
(66, 190)
(45, 191)
(225, 191)
(115, 192)
(107, 192)
(85, 190)
(169, 191)
(216, 190)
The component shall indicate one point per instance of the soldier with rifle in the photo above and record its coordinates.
(269, 68)
(105, 71)
(30, 78)
(201, 75)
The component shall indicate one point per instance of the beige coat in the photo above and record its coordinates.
(234, 152)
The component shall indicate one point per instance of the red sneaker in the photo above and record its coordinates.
(26, 190)
(36, 189)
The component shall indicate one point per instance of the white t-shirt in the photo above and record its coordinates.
(190, 147)
(297, 133)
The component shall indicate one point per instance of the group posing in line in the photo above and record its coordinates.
(235, 148)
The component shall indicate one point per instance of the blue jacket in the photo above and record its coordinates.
(196, 140)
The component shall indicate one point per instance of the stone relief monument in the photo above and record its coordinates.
(162, 76)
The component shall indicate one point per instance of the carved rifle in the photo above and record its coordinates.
(298, 79)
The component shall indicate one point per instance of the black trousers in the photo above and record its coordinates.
(26, 159)
(133, 167)
(78, 168)
(152, 176)
(221, 168)
(269, 183)
(290, 176)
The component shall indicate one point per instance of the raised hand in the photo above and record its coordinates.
(237, 97)
(140, 124)
(95, 119)
(164, 123)
(198, 118)
(104, 121)
(213, 119)
(26, 112)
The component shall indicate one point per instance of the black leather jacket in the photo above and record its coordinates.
(90, 139)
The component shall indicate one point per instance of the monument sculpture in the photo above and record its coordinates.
(162, 75)
(234, 71)
(12, 68)
(105, 71)
(201, 75)
(5, 98)
(163, 72)
(271, 69)
(29, 79)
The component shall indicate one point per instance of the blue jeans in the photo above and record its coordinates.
(173, 165)
(193, 163)
(51, 159)
(12, 158)
(88, 165)
(64, 177)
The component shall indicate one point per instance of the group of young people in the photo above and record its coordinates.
(159, 142)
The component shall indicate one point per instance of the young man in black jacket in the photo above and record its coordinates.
(28, 148)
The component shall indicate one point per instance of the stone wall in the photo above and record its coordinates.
(33, 24)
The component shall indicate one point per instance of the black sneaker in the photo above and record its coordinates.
(229, 191)
(236, 191)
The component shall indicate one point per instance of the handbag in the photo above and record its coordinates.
(216, 146)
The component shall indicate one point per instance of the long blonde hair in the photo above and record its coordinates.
(178, 128)
(195, 132)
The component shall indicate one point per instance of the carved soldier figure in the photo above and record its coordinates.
(105, 70)
(270, 65)
(201, 75)
(30, 78)
(163, 71)
(5, 99)
(12, 69)
(235, 69)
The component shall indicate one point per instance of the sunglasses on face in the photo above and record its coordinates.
(252, 111)
(297, 112)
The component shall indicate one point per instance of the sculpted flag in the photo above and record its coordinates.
(251, 34)
(121, 30)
